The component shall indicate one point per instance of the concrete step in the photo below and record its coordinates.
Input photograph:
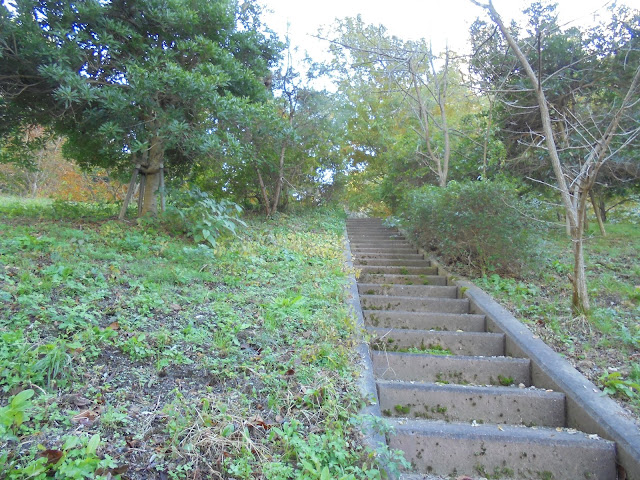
(458, 343)
(379, 242)
(372, 230)
(521, 453)
(382, 234)
(414, 304)
(458, 369)
(465, 403)
(399, 270)
(380, 262)
(382, 251)
(380, 245)
(451, 322)
(402, 279)
(408, 290)
(388, 256)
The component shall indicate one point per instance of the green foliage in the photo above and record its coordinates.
(219, 342)
(15, 414)
(615, 384)
(202, 217)
(170, 74)
(322, 456)
(479, 225)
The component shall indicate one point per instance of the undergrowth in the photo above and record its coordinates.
(605, 344)
(128, 351)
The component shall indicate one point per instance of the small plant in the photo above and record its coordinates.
(505, 381)
(15, 414)
(54, 362)
(137, 347)
(402, 409)
(615, 385)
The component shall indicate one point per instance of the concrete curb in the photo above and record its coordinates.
(366, 382)
(586, 408)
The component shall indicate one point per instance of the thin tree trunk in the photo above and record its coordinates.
(580, 300)
(130, 190)
(265, 196)
(596, 210)
(276, 196)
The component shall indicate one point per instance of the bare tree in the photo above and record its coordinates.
(574, 183)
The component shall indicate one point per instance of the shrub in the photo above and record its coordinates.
(204, 218)
(477, 224)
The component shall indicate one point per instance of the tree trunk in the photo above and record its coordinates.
(597, 211)
(602, 208)
(263, 190)
(276, 196)
(152, 178)
(580, 301)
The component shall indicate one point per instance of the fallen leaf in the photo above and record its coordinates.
(87, 417)
(112, 471)
(52, 456)
(75, 399)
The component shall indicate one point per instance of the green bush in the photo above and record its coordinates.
(481, 225)
(201, 217)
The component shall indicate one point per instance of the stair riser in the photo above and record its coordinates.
(506, 456)
(458, 343)
(377, 235)
(399, 270)
(355, 252)
(381, 245)
(391, 263)
(414, 304)
(452, 369)
(403, 279)
(408, 290)
(370, 257)
(425, 321)
(455, 403)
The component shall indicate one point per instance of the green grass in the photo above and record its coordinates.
(608, 339)
(237, 360)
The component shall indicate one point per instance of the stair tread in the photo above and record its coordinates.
(488, 389)
(521, 432)
(443, 333)
(412, 297)
(424, 314)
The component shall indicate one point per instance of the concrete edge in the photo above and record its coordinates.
(586, 407)
(366, 382)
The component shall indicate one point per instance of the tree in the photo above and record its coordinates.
(596, 135)
(407, 105)
(142, 82)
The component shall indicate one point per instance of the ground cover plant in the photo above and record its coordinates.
(126, 352)
(605, 344)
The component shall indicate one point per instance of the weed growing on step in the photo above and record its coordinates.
(125, 348)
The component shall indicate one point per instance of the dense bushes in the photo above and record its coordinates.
(482, 225)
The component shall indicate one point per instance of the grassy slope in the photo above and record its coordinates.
(187, 362)
(605, 346)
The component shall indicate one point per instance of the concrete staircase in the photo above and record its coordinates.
(457, 404)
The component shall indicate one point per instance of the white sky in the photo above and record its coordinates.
(440, 21)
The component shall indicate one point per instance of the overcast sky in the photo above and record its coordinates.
(440, 21)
